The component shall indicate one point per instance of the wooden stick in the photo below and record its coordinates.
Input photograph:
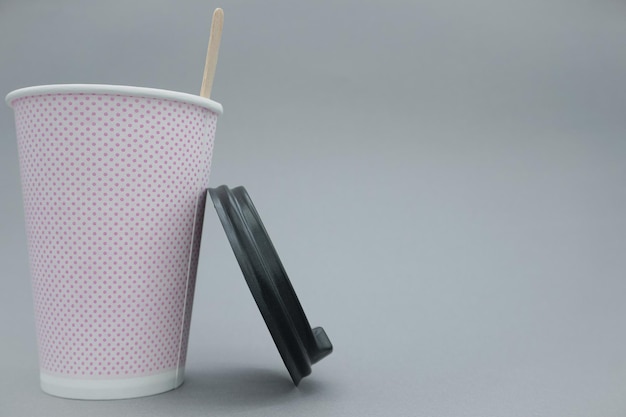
(211, 53)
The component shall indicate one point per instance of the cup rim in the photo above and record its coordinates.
(125, 90)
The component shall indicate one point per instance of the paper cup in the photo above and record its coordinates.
(114, 183)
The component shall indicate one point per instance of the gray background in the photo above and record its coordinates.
(444, 180)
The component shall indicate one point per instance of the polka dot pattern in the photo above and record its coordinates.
(114, 191)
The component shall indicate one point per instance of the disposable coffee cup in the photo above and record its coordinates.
(114, 182)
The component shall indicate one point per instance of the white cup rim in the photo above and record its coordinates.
(125, 90)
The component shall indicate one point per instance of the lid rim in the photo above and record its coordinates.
(292, 352)
(298, 344)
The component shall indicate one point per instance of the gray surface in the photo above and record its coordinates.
(445, 182)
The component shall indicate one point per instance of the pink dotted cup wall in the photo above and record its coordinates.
(114, 184)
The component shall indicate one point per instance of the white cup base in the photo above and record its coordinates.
(111, 389)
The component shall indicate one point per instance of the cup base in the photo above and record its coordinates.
(111, 389)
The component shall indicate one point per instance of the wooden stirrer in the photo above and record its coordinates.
(212, 51)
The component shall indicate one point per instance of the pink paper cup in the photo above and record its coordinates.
(114, 183)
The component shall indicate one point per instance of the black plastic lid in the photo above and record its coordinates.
(298, 344)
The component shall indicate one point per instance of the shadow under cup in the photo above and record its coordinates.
(114, 183)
